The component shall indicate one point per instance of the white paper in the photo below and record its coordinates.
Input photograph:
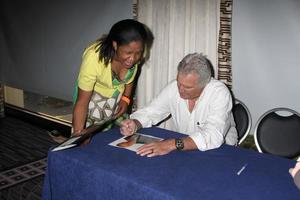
(135, 142)
(67, 144)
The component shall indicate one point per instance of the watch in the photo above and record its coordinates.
(179, 144)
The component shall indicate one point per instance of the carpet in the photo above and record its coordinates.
(22, 173)
(23, 159)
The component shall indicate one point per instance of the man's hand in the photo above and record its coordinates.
(128, 127)
(294, 170)
(157, 148)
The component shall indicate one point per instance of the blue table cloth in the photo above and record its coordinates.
(101, 171)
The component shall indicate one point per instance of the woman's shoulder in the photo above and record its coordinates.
(91, 49)
(90, 58)
(91, 54)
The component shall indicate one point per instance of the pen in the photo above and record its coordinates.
(242, 169)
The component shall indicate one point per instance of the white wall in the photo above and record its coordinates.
(266, 54)
(42, 42)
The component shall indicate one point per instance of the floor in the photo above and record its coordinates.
(24, 146)
(23, 160)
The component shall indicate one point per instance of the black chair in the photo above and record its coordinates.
(243, 120)
(278, 132)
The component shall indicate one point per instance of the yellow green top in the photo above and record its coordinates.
(95, 76)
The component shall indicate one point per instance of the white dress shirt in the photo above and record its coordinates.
(210, 123)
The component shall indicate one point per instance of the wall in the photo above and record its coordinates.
(41, 42)
(266, 53)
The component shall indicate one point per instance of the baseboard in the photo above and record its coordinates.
(38, 119)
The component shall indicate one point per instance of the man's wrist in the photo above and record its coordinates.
(179, 144)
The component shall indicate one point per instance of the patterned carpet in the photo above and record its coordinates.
(23, 152)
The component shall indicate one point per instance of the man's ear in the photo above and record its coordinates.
(115, 45)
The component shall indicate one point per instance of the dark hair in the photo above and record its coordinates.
(122, 32)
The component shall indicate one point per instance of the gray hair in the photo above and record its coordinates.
(196, 63)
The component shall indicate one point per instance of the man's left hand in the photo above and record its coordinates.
(157, 148)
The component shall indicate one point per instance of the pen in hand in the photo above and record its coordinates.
(126, 127)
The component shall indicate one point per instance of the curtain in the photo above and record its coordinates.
(224, 46)
(179, 27)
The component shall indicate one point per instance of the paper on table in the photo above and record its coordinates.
(134, 141)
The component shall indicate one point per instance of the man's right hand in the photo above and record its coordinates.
(128, 127)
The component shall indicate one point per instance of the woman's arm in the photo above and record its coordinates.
(128, 90)
(123, 105)
(80, 111)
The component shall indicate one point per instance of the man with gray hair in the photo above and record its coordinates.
(200, 107)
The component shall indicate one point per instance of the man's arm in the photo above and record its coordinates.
(211, 132)
(158, 109)
(165, 147)
(152, 114)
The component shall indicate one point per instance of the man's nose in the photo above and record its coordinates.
(181, 89)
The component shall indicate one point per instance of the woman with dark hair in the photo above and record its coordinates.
(105, 82)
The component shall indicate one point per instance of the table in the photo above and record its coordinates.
(101, 171)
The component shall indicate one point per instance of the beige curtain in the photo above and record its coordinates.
(224, 47)
(179, 27)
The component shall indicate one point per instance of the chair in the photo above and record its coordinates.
(242, 120)
(278, 133)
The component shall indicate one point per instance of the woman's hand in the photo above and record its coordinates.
(80, 133)
(121, 109)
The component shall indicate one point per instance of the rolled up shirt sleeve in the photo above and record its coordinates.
(156, 111)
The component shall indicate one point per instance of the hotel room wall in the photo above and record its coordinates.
(266, 54)
(42, 42)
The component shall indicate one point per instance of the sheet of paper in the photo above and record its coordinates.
(135, 141)
(67, 144)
